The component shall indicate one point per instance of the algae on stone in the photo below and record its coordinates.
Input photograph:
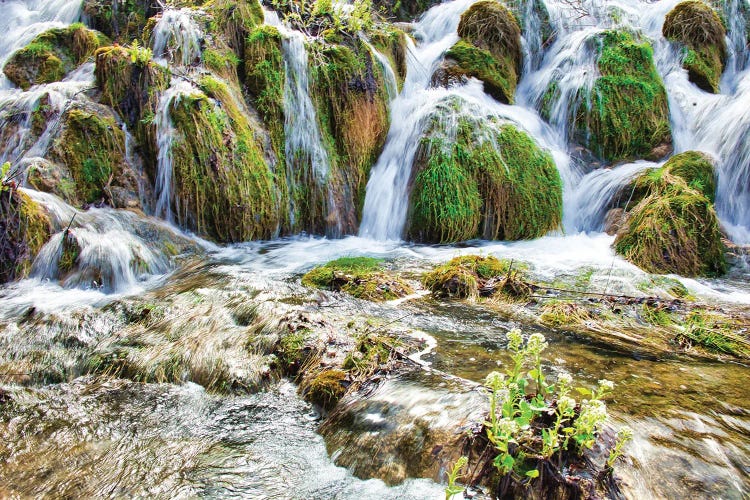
(25, 228)
(699, 29)
(361, 277)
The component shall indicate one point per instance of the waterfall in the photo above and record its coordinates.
(177, 38)
(165, 136)
(304, 140)
(391, 82)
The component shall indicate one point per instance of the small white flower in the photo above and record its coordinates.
(606, 384)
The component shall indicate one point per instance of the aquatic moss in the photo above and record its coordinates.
(460, 277)
(361, 277)
(223, 187)
(92, 147)
(403, 10)
(696, 169)
(69, 254)
(326, 388)
(25, 228)
(714, 332)
(491, 181)
(498, 74)
(628, 114)
(698, 27)
(674, 229)
(51, 55)
(371, 353)
(121, 20)
(392, 43)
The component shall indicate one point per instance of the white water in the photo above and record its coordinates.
(177, 38)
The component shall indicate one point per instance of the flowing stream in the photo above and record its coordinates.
(158, 431)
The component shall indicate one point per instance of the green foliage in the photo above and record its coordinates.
(139, 55)
(371, 352)
(453, 489)
(696, 169)
(490, 181)
(319, 16)
(714, 332)
(498, 74)
(624, 436)
(25, 228)
(699, 29)
(522, 401)
(361, 277)
(629, 114)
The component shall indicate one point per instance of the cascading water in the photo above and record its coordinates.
(177, 38)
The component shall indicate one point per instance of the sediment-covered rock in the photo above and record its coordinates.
(52, 55)
(696, 26)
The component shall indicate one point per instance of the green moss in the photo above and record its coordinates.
(559, 314)
(403, 10)
(71, 250)
(361, 277)
(370, 354)
(699, 29)
(673, 229)
(392, 42)
(223, 185)
(121, 20)
(25, 228)
(499, 75)
(714, 332)
(51, 55)
(629, 113)
(491, 181)
(696, 169)
(326, 388)
(93, 149)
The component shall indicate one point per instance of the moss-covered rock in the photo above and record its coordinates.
(487, 179)
(629, 113)
(131, 83)
(48, 177)
(91, 145)
(25, 229)
(223, 186)
(699, 29)
(472, 276)
(392, 42)
(122, 20)
(52, 55)
(326, 388)
(673, 228)
(361, 277)
(489, 49)
(404, 10)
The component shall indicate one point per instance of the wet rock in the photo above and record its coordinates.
(25, 228)
(48, 177)
(614, 220)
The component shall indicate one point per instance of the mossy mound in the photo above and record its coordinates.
(361, 277)
(404, 10)
(52, 55)
(391, 42)
(463, 277)
(91, 146)
(223, 186)
(25, 228)
(629, 113)
(326, 388)
(231, 23)
(131, 85)
(485, 180)
(673, 228)
(698, 27)
(489, 49)
(696, 169)
(121, 20)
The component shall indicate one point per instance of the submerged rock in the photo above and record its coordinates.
(697, 27)
(673, 227)
(52, 55)
(481, 178)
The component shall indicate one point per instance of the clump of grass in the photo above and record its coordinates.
(371, 352)
(698, 27)
(714, 332)
(326, 388)
(466, 276)
(361, 277)
(656, 315)
(560, 313)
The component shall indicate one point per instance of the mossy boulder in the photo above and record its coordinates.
(121, 20)
(472, 276)
(487, 179)
(489, 49)
(131, 85)
(673, 227)
(392, 43)
(696, 26)
(223, 187)
(25, 228)
(91, 146)
(49, 177)
(361, 277)
(404, 10)
(52, 55)
(326, 388)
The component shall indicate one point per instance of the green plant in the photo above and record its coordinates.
(139, 55)
(521, 404)
(624, 435)
(453, 489)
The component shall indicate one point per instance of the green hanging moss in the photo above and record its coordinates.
(403, 10)
(629, 113)
(121, 20)
(223, 187)
(673, 227)
(391, 42)
(131, 85)
(52, 55)
(490, 181)
(698, 27)
(92, 147)
(489, 49)
(25, 228)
